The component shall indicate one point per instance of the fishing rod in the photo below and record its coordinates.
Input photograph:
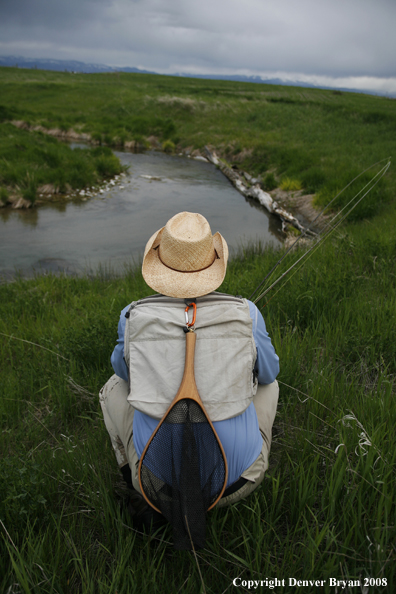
(315, 219)
(372, 183)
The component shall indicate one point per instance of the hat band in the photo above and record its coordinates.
(216, 257)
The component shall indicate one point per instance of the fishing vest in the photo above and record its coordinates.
(225, 354)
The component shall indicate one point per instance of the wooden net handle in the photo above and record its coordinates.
(188, 387)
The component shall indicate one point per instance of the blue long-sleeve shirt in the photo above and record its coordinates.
(240, 436)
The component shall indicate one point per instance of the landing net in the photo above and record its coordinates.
(184, 471)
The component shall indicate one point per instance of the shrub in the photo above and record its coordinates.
(290, 185)
(108, 166)
(168, 146)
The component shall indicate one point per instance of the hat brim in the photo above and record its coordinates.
(183, 284)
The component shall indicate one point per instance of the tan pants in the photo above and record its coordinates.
(118, 418)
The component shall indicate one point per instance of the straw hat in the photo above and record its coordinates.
(183, 259)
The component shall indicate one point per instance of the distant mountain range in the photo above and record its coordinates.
(76, 66)
(63, 65)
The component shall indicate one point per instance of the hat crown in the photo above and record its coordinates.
(183, 259)
(187, 244)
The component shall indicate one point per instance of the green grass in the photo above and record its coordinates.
(320, 138)
(327, 505)
(30, 160)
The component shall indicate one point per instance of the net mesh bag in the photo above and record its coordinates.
(183, 471)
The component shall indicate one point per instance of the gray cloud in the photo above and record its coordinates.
(30, 15)
(332, 38)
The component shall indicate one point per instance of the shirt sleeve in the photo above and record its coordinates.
(267, 363)
(117, 357)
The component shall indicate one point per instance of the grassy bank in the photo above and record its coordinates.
(33, 164)
(326, 508)
(280, 133)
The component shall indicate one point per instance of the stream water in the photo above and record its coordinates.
(111, 230)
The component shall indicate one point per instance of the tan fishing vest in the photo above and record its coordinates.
(225, 354)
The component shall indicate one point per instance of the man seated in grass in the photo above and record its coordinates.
(235, 362)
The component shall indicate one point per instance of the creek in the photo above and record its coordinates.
(109, 232)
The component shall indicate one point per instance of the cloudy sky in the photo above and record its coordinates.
(341, 43)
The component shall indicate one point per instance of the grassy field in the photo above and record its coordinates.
(281, 133)
(326, 508)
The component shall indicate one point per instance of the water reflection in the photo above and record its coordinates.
(55, 265)
(30, 217)
(24, 217)
(274, 225)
